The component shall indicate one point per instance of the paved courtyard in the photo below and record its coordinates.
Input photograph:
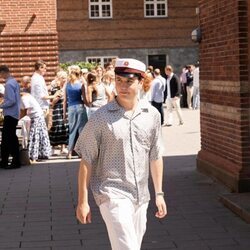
(37, 205)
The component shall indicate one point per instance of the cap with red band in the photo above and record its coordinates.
(129, 66)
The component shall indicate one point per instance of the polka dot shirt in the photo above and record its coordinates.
(119, 147)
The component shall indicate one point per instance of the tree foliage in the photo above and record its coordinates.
(82, 65)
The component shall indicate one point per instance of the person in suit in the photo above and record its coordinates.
(172, 96)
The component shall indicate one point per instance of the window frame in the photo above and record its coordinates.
(155, 2)
(100, 4)
(102, 59)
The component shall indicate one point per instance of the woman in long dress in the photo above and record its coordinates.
(59, 131)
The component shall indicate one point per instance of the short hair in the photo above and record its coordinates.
(4, 69)
(39, 63)
(108, 64)
(150, 68)
(157, 72)
(169, 67)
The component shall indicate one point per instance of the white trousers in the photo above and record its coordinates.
(173, 103)
(189, 96)
(196, 98)
(125, 222)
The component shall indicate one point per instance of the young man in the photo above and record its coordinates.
(119, 145)
(39, 88)
(11, 112)
(157, 92)
(172, 96)
(196, 93)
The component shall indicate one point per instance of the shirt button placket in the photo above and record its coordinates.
(134, 160)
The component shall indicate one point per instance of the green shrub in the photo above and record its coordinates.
(82, 65)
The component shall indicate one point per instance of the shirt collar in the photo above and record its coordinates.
(142, 106)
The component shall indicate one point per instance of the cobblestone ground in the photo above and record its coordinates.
(37, 205)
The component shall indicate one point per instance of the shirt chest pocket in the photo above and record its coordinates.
(142, 138)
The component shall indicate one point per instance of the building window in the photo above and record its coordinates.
(155, 8)
(100, 9)
(100, 60)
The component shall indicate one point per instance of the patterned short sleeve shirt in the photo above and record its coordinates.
(119, 147)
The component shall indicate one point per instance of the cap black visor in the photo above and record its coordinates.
(128, 75)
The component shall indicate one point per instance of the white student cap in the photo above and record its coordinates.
(129, 66)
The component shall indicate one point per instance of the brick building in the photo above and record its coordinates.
(156, 32)
(225, 92)
(27, 33)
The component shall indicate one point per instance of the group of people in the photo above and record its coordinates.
(53, 114)
(58, 111)
(112, 126)
(112, 119)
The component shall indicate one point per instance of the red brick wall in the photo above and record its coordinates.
(18, 15)
(29, 34)
(224, 79)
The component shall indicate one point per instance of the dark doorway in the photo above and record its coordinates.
(157, 61)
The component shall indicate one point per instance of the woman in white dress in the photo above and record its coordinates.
(39, 144)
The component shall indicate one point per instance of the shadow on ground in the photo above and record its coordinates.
(37, 211)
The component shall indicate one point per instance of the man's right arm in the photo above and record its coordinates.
(83, 211)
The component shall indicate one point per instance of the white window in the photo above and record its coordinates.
(100, 9)
(100, 60)
(155, 8)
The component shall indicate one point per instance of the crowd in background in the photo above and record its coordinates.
(54, 114)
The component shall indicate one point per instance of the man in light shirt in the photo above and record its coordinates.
(39, 88)
(119, 146)
(157, 93)
(196, 93)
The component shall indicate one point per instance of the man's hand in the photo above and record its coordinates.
(83, 213)
(161, 205)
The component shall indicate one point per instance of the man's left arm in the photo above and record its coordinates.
(156, 167)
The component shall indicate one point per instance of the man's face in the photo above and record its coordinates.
(126, 87)
(168, 72)
(42, 70)
(3, 75)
